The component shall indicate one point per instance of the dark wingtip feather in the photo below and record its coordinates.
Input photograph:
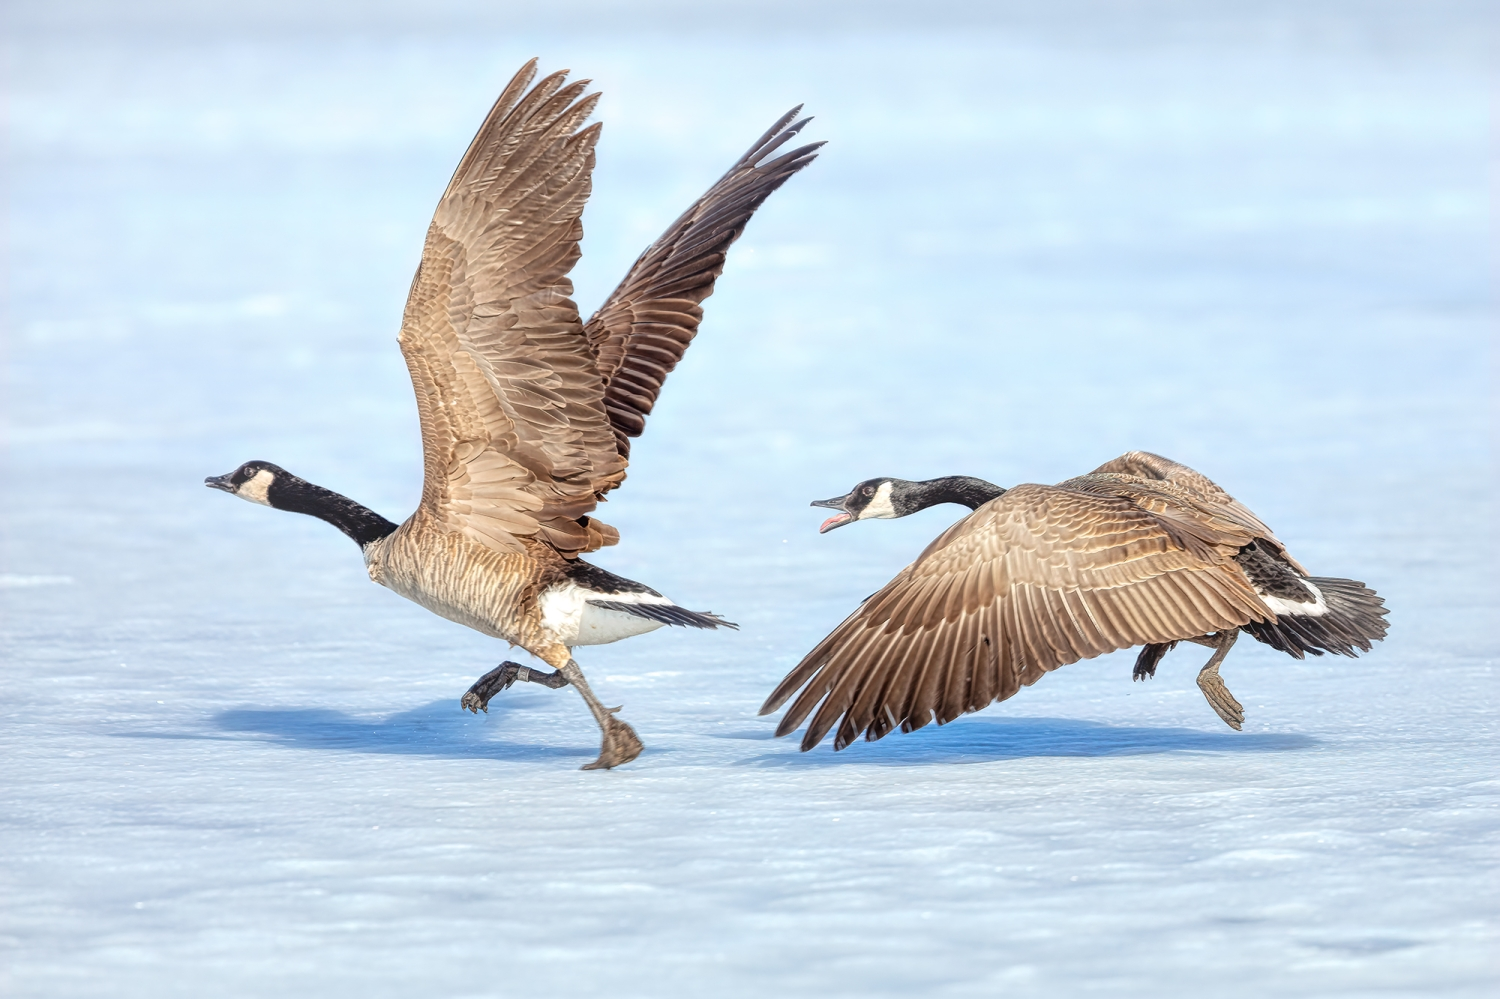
(635, 355)
(774, 138)
(667, 614)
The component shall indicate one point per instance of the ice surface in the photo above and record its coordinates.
(1256, 243)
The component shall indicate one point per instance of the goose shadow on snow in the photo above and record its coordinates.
(437, 729)
(442, 729)
(979, 739)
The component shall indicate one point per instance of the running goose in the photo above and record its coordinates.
(527, 412)
(1141, 551)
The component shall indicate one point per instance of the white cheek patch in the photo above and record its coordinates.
(879, 507)
(256, 487)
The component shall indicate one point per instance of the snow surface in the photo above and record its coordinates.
(1253, 238)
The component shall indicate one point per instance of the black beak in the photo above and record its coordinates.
(220, 482)
(837, 520)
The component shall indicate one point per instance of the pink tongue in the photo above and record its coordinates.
(833, 521)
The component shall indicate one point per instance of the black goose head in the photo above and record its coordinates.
(271, 485)
(886, 498)
(872, 499)
(251, 481)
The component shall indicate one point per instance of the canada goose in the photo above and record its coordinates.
(527, 412)
(1141, 550)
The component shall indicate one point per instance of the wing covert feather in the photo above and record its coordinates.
(1193, 486)
(514, 434)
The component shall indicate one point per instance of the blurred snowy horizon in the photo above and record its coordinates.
(1257, 238)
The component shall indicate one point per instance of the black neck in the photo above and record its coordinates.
(296, 495)
(961, 489)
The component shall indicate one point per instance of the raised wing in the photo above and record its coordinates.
(513, 427)
(1198, 488)
(1035, 579)
(641, 333)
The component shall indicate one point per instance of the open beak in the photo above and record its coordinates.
(837, 520)
(219, 482)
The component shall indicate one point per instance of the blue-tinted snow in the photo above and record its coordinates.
(1254, 240)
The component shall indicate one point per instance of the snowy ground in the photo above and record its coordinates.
(1255, 241)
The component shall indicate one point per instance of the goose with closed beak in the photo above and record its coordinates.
(526, 411)
(1141, 551)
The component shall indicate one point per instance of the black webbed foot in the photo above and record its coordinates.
(1150, 657)
(477, 698)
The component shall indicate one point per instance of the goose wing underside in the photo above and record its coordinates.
(513, 428)
(644, 328)
(1038, 578)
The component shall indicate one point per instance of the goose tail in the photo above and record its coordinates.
(667, 614)
(1350, 617)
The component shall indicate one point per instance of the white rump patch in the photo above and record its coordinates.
(572, 620)
(1280, 606)
(256, 487)
(879, 507)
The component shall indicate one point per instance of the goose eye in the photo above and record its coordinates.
(868, 490)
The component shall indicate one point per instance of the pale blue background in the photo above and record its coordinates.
(1255, 237)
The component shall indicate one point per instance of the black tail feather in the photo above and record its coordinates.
(1355, 618)
(668, 614)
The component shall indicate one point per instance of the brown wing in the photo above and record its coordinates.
(1038, 578)
(1197, 487)
(513, 426)
(641, 333)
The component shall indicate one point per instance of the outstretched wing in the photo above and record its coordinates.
(1035, 579)
(641, 333)
(513, 426)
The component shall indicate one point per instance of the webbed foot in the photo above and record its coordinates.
(1212, 685)
(1221, 700)
(1149, 659)
(477, 698)
(620, 745)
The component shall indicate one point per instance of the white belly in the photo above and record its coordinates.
(600, 626)
(573, 620)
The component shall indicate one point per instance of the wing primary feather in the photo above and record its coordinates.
(496, 117)
(755, 151)
(681, 267)
(514, 433)
(841, 693)
(831, 669)
(809, 665)
(873, 680)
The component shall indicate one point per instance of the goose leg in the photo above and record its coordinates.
(478, 697)
(1150, 657)
(620, 745)
(1212, 685)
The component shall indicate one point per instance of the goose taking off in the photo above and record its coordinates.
(527, 412)
(1141, 551)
